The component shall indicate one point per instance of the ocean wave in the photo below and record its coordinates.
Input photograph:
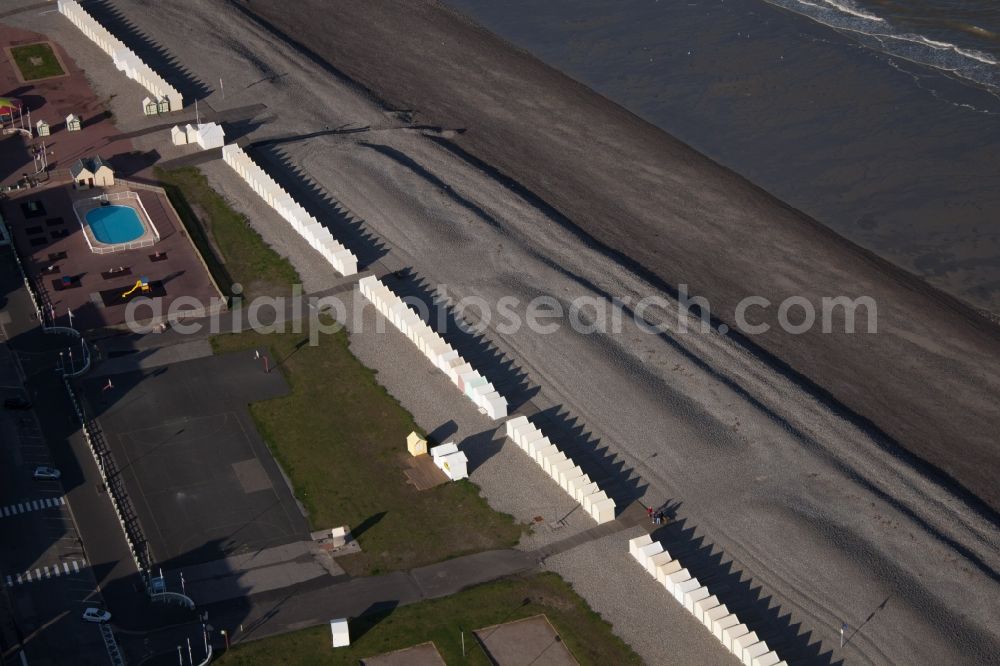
(969, 64)
(968, 53)
(848, 8)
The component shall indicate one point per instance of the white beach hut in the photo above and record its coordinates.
(450, 460)
(178, 136)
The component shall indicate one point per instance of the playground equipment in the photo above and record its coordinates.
(141, 284)
(13, 118)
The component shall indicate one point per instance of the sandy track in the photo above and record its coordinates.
(819, 512)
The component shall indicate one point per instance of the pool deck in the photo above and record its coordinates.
(52, 244)
(42, 238)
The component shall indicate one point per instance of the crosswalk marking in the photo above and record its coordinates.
(31, 505)
(45, 573)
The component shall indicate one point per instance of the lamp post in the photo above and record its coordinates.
(226, 637)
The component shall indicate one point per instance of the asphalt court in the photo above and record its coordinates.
(200, 476)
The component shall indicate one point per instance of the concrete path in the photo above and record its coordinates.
(249, 574)
(272, 613)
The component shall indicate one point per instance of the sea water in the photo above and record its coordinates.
(879, 118)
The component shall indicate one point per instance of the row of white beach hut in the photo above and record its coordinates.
(704, 606)
(206, 135)
(561, 468)
(342, 259)
(125, 60)
(468, 380)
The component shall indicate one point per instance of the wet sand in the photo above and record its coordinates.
(892, 155)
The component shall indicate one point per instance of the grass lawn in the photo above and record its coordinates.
(586, 635)
(339, 436)
(36, 61)
(342, 440)
(233, 250)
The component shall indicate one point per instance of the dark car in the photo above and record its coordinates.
(16, 403)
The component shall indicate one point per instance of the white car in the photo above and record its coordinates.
(96, 615)
(47, 473)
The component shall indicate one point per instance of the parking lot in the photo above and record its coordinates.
(45, 574)
(200, 476)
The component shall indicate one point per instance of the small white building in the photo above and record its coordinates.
(451, 461)
(206, 135)
(178, 137)
(340, 535)
(150, 107)
(42, 128)
(73, 123)
(340, 633)
(211, 135)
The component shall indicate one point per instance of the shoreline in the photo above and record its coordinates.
(537, 132)
(806, 113)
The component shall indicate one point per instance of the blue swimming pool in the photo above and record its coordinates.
(115, 224)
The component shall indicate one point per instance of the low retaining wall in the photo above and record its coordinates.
(342, 259)
(702, 604)
(125, 59)
(561, 468)
(434, 347)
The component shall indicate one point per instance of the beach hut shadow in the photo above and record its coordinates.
(761, 612)
(153, 54)
(344, 225)
(597, 460)
(468, 338)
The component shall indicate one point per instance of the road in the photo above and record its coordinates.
(62, 546)
(45, 573)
